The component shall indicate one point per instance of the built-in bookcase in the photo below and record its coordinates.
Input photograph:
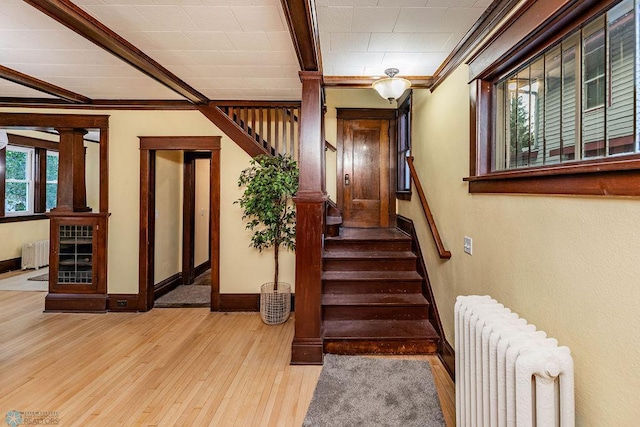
(77, 265)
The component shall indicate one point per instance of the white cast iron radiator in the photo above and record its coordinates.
(35, 254)
(507, 372)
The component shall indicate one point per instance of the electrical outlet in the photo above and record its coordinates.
(468, 245)
(122, 303)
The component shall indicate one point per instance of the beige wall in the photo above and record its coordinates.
(201, 243)
(168, 231)
(14, 234)
(569, 265)
(242, 269)
(344, 98)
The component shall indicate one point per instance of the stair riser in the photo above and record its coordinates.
(357, 245)
(380, 346)
(358, 287)
(408, 264)
(372, 313)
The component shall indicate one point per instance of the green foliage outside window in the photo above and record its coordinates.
(520, 136)
(52, 181)
(16, 193)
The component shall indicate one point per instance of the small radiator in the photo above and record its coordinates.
(35, 254)
(507, 372)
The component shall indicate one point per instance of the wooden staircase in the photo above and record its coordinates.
(372, 300)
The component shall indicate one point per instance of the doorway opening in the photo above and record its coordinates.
(198, 262)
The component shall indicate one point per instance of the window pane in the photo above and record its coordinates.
(17, 164)
(498, 153)
(536, 101)
(594, 65)
(51, 196)
(52, 167)
(553, 91)
(620, 122)
(519, 136)
(16, 197)
(593, 124)
(569, 109)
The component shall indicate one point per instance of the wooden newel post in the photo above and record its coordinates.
(72, 190)
(310, 202)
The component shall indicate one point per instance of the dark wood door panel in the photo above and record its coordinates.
(365, 166)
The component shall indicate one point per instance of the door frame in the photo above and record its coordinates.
(355, 114)
(148, 147)
(189, 269)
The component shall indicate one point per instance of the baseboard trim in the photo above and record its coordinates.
(122, 302)
(167, 285)
(202, 268)
(448, 357)
(306, 352)
(10, 264)
(239, 302)
(75, 303)
(245, 302)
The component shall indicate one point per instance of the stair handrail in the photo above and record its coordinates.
(442, 252)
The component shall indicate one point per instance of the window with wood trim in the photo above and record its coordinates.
(563, 119)
(29, 179)
(19, 185)
(403, 191)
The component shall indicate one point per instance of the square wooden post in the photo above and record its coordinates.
(310, 202)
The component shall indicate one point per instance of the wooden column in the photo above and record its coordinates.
(310, 200)
(72, 191)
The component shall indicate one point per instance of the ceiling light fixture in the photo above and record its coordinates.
(391, 87)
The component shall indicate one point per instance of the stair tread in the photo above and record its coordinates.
(379, 330)
(348, 254)
(347, 234)
(371, 275)
(375, 299)
(334, 220)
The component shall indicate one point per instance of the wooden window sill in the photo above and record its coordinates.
(403, 195)
(21, 218)
(620, 177)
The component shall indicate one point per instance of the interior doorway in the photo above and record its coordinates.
(366, 167)
(194, 148)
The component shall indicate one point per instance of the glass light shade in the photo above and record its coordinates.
(4, 139)
(391, 87)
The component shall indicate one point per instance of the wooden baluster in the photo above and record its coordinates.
(276, 123)
(245, 117)
(292, 131)
(254, 131)
(261, 125)
(269, 139)
(230, 113)
(284, 131)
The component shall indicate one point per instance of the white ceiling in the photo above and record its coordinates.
(228, 49)
(364, 37)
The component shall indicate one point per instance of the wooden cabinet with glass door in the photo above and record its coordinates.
(77, 264)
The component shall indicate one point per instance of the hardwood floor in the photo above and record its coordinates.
(162, 368)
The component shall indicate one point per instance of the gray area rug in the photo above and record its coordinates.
(185, 296)
(363, 391)
(40, 278)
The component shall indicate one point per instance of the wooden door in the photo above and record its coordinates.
(365, 177)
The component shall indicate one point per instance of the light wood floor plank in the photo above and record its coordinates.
(162, 368)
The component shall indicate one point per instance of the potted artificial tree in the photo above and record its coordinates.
(270, 183)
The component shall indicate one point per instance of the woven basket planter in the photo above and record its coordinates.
(275, 305)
